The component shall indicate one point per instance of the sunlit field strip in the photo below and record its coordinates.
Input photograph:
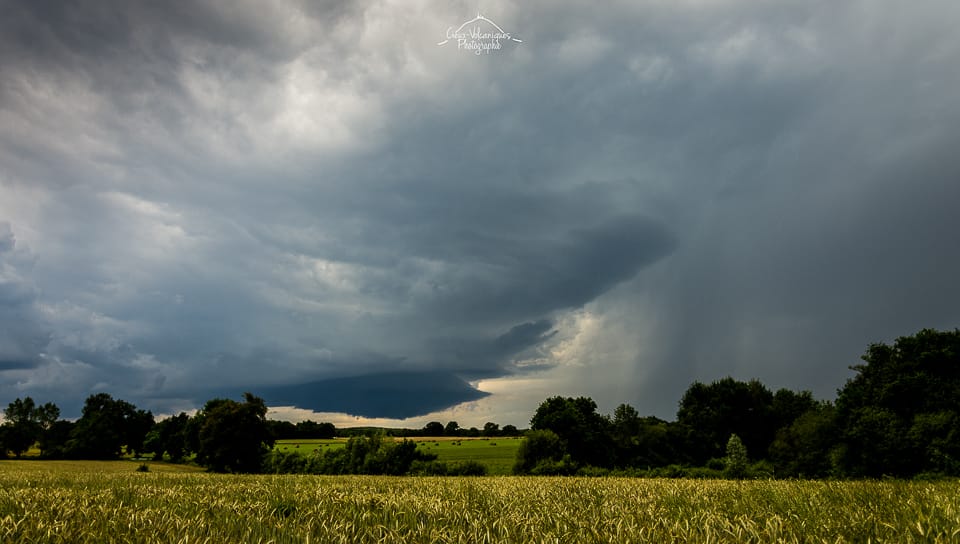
(98, 467)
(58, 506)
(497, 454)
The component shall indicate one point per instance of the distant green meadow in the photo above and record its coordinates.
(110, 502)
(497, 454)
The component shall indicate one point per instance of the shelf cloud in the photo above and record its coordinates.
(315, 202)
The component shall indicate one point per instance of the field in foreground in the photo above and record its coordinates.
(78, 506)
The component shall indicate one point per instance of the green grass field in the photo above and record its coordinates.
(497, 454)
(94, 502)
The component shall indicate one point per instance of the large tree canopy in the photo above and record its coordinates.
(233, 436)
(25, 423)
(899, 415)
(584, 432)
(106, 426)
(714, 412)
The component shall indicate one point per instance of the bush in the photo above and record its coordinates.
(761, 470)
(468, 468)
(279, 462)
(702, 473)
(736, 459)
(592, 471)
(550, 467)
(717, 463)
(540, 449)
(362, 455)
(669, 471)
(429, 468)
(439, 468)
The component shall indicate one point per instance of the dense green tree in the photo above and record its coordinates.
(312, 429)
(22, 425)
(625, 431)
(803, 448)
(542, 452)
(584, 433)
(788, 405)
(233, 436)
(169, 436)
(895, 416)
(434, 428)
(53, 441)
(25, 423)
(153, 444)
(713, 412)
(136, 427)
(509, 430)
(735, 461)
(626, 420)
(105, 426)
(326, 430)
(282, 430)
(658, 443)
(374, 453)
(491, 429)
(452, 429)
(935, 437)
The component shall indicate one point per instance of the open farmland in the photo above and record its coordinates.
(497, 454)
(124, 466)
(77, 506)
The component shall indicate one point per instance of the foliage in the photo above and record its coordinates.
(713, 412)
(169, 436)
(540, 448)
(53, 441)
(25, 423)
(105, 427)
(735, 462)
(285, 430)
(374, 454)
(440, 468)
(584, 433)
(434, 428)
(898, 415)
(21, 426)
(233, 436)
(802, 449)
(646, 441)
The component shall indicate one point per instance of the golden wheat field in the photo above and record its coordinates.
(77, 505)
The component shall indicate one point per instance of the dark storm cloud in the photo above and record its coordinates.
(23, 334)
(214, 196)
(392, 395)
(527, 278)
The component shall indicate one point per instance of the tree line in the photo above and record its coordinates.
(451, 429)
(224, 436)
(898, 416)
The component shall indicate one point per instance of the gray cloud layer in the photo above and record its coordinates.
(215, 195)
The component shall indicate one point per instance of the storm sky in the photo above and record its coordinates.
(317, 202)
